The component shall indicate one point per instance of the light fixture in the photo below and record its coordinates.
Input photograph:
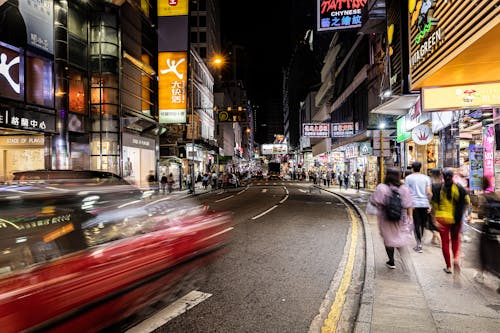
(387, 93)
(382, 125)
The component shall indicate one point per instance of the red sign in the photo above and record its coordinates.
(339, 14)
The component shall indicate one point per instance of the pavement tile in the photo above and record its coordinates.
(456, 323)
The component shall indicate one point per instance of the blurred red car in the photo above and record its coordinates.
(66, 265)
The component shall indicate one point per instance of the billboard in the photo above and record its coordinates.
(172, 91)
(316, 130)
(10, 74)
(273, 149)
(232, 116)
(173, 7)
(339, 14)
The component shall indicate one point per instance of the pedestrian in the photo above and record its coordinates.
(323, 176)
(436, 180)
(421, 190)
(151, 179)
(449, 202)
(163, 182)
(346, 180)
(170, 182)
(225, 180)
(357, 179)
(328, 178)
(189, 182)
(205, 181)
(395, 234)
(340, 179)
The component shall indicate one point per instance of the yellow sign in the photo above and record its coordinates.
(172, 74)
(173, 7)
(461, 97)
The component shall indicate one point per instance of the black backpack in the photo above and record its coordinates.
(393, 207)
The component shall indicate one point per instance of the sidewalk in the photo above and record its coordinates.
(418, 296)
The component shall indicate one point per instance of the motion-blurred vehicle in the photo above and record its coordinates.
(81, 254)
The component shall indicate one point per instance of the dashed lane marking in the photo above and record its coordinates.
(264, 213)
(175, 309)
(229, 197)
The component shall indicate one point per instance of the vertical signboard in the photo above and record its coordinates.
(339, 14)
(10, 74)
(172, 7)
(476, 170)
(489, 147)
(172, 92)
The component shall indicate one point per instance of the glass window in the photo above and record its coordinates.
(203, 21)
(38, 81)
(77, 91)
(77, 52)
(203, 37)
(194, 37)
(77, 23)
(193, 21)
(104, 95)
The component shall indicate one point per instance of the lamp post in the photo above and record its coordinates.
(382, 158)
(192, 126)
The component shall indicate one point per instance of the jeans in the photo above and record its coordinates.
(420, 217)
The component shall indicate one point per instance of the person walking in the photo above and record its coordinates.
(449, 202)
(340, 179)
(328, 178)
(357, 179)
(395, 234)
(163, 182)
(170, 183)
(151, 179)
(421, 190)
(346, 180)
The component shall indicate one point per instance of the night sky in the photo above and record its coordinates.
(268, 30)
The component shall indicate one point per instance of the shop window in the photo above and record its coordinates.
(105, 163)
(105, 80)
(77, 91)
(104, 96)
(104, 144)
(38, 81)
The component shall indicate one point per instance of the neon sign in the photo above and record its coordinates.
(339, 14)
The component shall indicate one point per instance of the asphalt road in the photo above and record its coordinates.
(275, 272)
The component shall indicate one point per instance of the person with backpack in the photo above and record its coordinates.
(394, 203)
(449, 203)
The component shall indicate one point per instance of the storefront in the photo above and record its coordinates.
(139, 158)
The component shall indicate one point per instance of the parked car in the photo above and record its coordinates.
(71, 261)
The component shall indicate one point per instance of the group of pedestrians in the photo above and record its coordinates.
(439, 205)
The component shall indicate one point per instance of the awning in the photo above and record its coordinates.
(397, 105)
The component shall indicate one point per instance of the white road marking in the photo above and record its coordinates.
(328, 203)
(246, 188)
(303, 191)
(224, 198)
(286, 190)
(175, 309)
(264, 190)
(264, 213)
(284, 199)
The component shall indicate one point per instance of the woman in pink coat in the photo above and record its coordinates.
(396, 234)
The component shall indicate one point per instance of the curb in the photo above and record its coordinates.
(363, 319)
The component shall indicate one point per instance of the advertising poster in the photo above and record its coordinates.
(489, 148)
(173, 7)
(476, 167)
(39, 18)
(172, 67)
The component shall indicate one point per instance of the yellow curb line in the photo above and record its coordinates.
(331, 321)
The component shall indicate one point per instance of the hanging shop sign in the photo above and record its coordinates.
(173, 7)
(402, 134)
(172, 76)
(422, 135)
(461, 97)
(476, 170)
(339, 14)
(352, 150)
(341, 130)
(365, 149)
(27, 120)
(316, 130)
(10, 74)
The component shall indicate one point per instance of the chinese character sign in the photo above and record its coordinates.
(318, 130)
(173, 7)
(172, 68)
(339, 14)
(340, 130)
(488, 158)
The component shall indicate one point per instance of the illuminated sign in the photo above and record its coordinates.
(422, 135)
(316, 130)
(172, 68)
(461, 97)
(29, 120)
(272, 149)
(173, 7)
(340, 130)
(232, 116)
(339, 14)
(10, 73)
